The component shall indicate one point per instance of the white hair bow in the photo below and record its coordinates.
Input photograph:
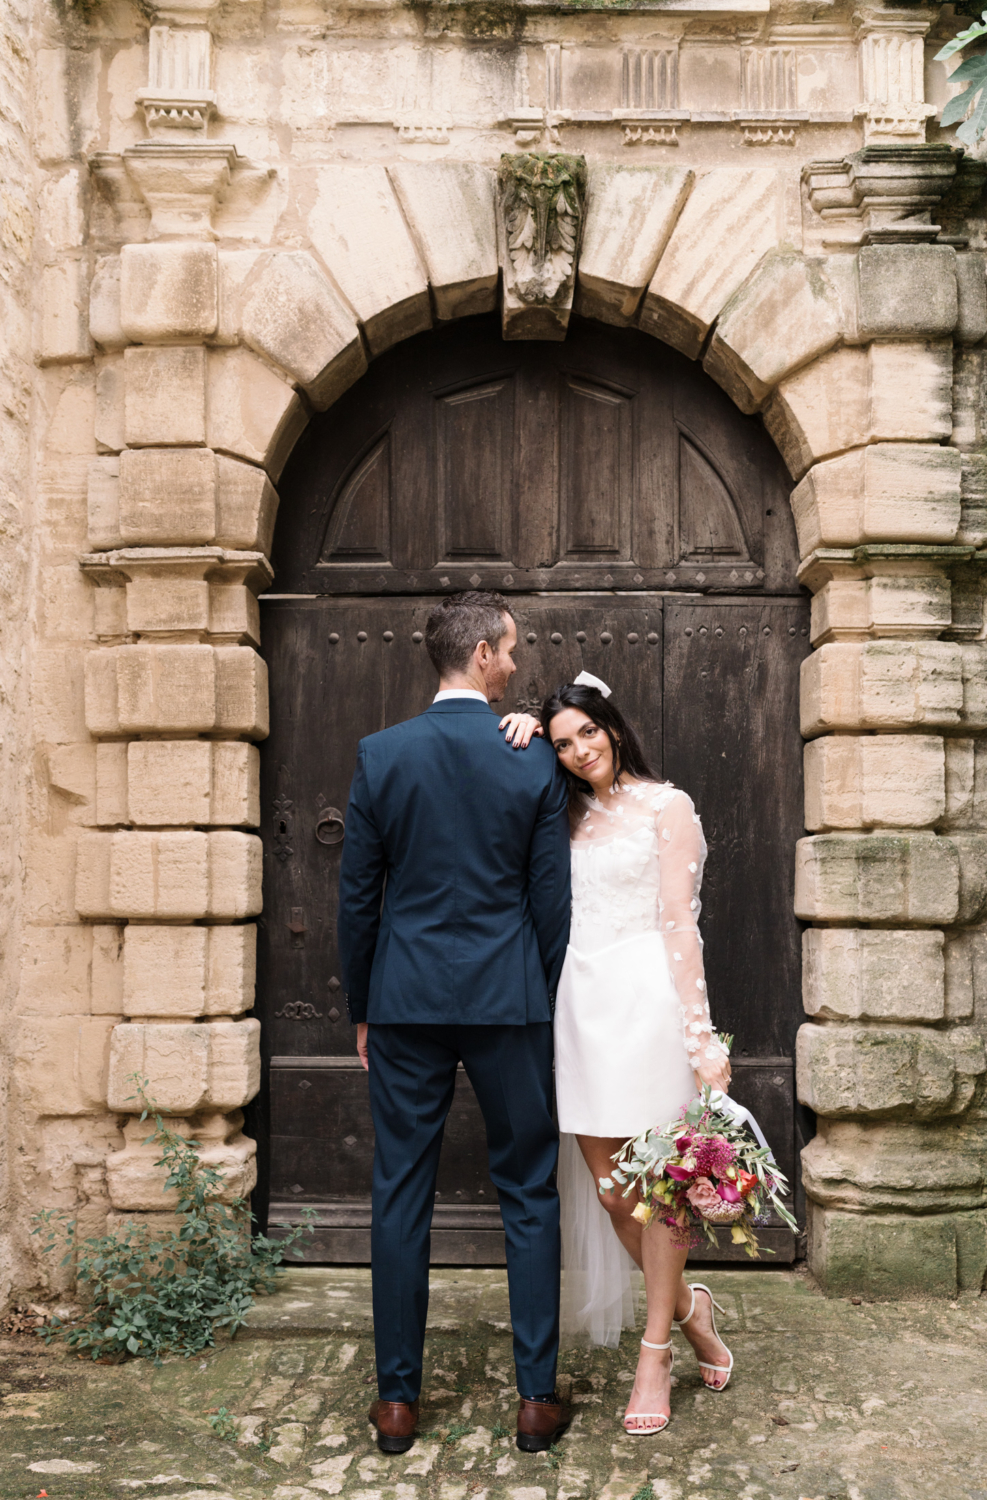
(586, 679)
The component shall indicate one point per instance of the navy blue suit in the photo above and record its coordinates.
(453, 922)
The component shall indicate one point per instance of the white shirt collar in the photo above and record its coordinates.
(445, 693)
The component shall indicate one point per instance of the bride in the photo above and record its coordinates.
(633, 1038)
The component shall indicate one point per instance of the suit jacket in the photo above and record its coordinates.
(454, 891)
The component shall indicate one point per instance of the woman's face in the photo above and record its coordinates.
(582, 747)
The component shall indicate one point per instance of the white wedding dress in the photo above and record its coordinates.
(631, 1017)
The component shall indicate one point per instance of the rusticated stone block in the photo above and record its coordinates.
(891, 492)
(177, 689)
(886, 685)
(973, 501)
(104, 304)
(866, 781)
(251, 413)
(165, 396)
(790, 310)
(292, 316)
(886, 393)
(136, 1180)
(885, 1071)
(966, 783)
(897, 1255)
(889, 603)
(906, 289)
(731, 219)
(854, 974)
(189, 971)
(358, 229)
(971, 297)
(175, 496)
(168, 292)
(180, 876)
(168, 783)
(64, 302)
(971, 848)
(189, 1068)
(630, 213)
(167, 495)
(61, 1063)
(877, 877)
(882, 1166)
(449, 206)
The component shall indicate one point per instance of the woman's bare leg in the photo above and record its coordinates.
(668, 1294)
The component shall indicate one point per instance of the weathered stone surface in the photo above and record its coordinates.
(167, 496)
(246, 506)
(732, 218)
(194, 782)
(168, 876)
(906, 289)
(877, 877)
(881, 685)
(109, 428)
(54, 975)
(894, 599)
(966, 783)
(189, 971)
(214, 1066)
(168, 292)
(851, 396)
(103, 502)
(790, 310)
(971, 849)
(292, 316)
(854, 974)
(867, 781)
(65, 313)
(973, 501)
(540, 204)
(165, 400)
(630, 214)
(887, 1166)
(884, 492)
(251, 413)
(176, 689)
(449, 207)
(971, 295)
(136, 1182)
(884, 1071)
(105, 326)
(61, 1063)
(897, 1255)
(357, 228)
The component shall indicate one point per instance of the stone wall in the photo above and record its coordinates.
(239, 208)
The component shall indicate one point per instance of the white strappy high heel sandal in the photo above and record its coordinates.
(649, 1416)
(694, 1287)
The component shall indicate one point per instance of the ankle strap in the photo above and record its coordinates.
(656, 1346)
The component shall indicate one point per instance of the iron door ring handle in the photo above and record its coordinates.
(328, 817)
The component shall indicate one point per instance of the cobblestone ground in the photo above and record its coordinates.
(830, 1401)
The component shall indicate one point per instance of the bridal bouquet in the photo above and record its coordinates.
(701, 1171)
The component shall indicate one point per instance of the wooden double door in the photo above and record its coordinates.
(710, 679)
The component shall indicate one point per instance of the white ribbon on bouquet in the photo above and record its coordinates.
(727, 1106)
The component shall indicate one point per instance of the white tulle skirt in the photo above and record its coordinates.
(600, 1283)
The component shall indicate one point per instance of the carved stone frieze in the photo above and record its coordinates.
(539, 227)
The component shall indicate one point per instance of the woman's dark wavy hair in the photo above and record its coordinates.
(628, 752)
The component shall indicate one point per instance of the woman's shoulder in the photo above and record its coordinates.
(657, 795)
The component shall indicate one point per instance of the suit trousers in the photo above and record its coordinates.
(412, 1080)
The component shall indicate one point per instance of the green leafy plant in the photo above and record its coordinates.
(500, 1430)
(148, 1294)
(223, 1424)
(646, 1492)
(972, 72)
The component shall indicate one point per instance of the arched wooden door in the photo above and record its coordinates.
(640, 525)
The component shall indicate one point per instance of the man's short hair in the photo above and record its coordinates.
(457, 626)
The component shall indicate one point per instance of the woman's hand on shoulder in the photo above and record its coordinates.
(521, 727)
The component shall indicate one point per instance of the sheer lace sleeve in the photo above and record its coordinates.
(681, 854)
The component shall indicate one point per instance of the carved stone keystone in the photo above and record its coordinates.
(539, 226)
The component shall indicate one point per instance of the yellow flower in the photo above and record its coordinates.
(642, 1214)
(738, 1234)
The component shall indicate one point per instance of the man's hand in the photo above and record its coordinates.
(361, 1044)
(522, 727)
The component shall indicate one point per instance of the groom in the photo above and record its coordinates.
(453, 924)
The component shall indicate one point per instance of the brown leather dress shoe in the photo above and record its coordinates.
(539, 1423)
(395, 1422)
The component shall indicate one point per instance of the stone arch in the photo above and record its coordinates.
(219, 355)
